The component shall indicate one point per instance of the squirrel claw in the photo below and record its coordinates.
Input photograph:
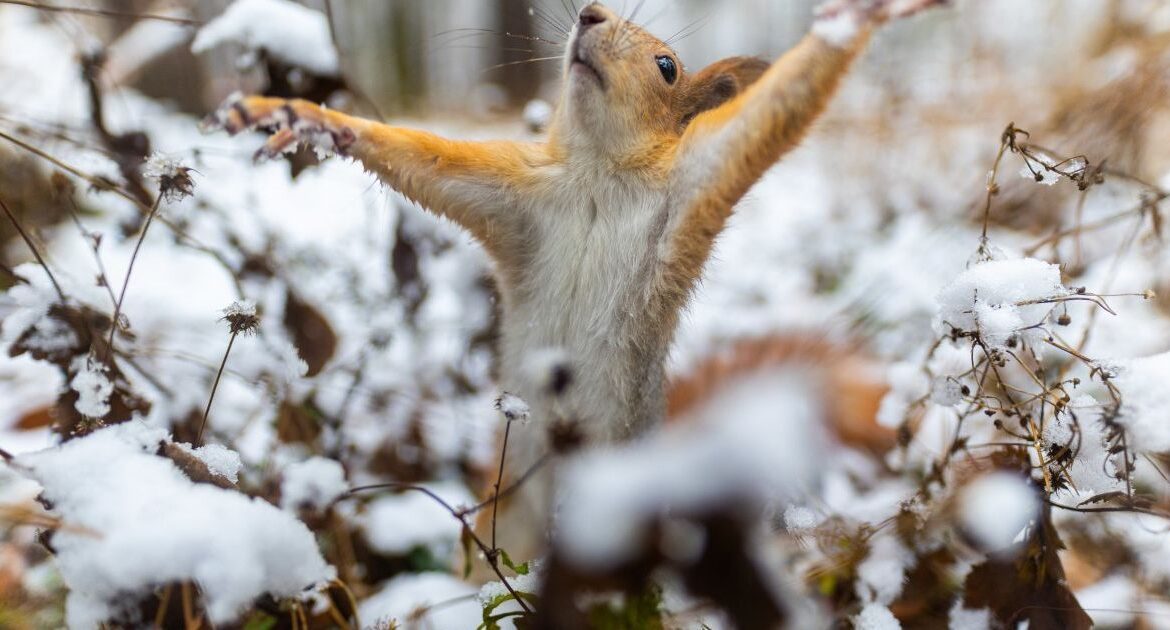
(293, 122)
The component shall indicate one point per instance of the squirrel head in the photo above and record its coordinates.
(626, 91)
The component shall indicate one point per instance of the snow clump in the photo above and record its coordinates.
(315, 483)
(1000, 300)
(134, 522)
(995, 508)
(287, 31)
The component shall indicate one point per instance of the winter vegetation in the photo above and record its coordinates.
(925, 382)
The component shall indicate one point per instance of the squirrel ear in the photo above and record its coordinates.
(716, 84)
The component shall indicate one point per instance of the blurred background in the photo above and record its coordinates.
(375, 351)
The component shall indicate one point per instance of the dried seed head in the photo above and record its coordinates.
(242, 318)
(174, 179)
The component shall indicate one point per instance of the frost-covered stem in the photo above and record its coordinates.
(499, 480)
(215, 387)
(103, 12)
(130, 270)
(36, 254)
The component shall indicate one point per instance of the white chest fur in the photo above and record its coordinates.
(584, 293)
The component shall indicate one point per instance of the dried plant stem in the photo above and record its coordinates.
(499, 480)
(32, 247)
(215, 387)
(93, 246)
(164, 601)
(130, 270)
(103, 12)
(491, 555)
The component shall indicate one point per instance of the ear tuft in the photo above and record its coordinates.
(715, 85)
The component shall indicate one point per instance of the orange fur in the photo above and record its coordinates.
(600, 234)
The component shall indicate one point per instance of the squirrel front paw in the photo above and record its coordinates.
(840, 22)
(292, 123)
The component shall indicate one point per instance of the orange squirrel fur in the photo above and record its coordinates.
(599, 234)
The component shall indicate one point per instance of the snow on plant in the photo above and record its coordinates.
(136, 523)
(292, 33)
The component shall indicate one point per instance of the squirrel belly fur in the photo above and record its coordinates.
(599, 235)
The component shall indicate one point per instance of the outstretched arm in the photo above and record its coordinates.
(471, 183)
(726, 150)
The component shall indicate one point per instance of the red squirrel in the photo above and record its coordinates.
(599, 234)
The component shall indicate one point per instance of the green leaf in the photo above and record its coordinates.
(520, 569)
(260, 621)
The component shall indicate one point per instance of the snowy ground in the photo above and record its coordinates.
(867, 239)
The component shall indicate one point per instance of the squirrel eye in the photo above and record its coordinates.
(668, 68)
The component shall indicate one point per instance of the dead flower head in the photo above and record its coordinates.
(174, 179)
(242, 318)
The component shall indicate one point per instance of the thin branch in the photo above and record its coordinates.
(215, 387)
(129, 270)
(104, 12)
(32, 247)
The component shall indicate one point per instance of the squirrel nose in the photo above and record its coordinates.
(591, 16)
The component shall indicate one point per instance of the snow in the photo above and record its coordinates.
(755, 448)
(876, 617)
(219, 459)
(29, 317)
(314, 483)
(512, 407)
(135, 522)
(840, 26)
(292, 33)
(1111, 601)
(537, 115)
(408, 599)
(833, 243)
(800, 519)
(882, 574)
(160, 165)
(967, 619)
(998, 299)
(93, 386)
(396, 524)
(995, 508)
(1145, 399)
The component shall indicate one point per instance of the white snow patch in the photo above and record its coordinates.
(93, 386)
(513, 407)
(537, 115)
(876, 617)
(968, 619)
(219, 459)
(882, 574)
(999, 299)
(840, 28)
(800, 519)
(291, 33)
(395, 524)
(995, 508)
(138, 522)
(408, 599)
(314, 483)
(1145, 399)
(763, 446)
(1111, 601)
